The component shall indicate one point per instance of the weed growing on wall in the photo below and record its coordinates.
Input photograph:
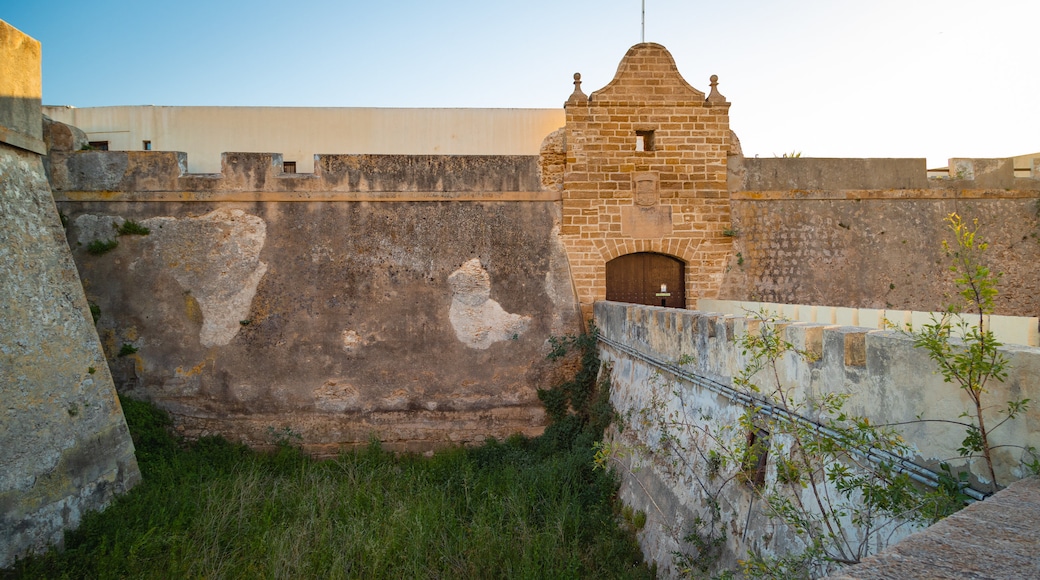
(683, 444)
(578, 409)
(966, 353)
(132, 228)
(99, 247)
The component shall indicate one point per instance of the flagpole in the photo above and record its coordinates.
(642, 28)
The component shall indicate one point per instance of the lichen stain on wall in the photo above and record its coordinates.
(479, 321)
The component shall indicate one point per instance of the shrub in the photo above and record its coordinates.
(98, 247)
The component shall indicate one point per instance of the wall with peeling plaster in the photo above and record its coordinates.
(342, 315)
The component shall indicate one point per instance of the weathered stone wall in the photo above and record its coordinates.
(994, 539)
(407, 298)
(868, 233)
(64, 446)
(885, 377)
(670, 197)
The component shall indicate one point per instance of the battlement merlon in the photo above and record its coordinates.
(828, 177)
(165, 171)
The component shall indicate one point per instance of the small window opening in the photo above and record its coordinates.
(98, 145)
(756, 455)
(289, 167)
(644, 140)
(146, 145)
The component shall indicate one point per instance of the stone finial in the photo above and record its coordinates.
(577, 97)
(715, 96)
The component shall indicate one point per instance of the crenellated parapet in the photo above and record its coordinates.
(162, 175)
(868, 233)
(820, 178)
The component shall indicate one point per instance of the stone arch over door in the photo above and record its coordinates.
(647, 278)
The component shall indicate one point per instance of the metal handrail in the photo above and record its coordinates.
(916, 472)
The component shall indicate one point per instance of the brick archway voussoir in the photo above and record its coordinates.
(684, 249)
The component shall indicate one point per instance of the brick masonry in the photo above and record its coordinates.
(682, 206)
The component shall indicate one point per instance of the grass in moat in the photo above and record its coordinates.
(523, 508)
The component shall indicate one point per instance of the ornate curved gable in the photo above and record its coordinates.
(645, 171)
(647, 73)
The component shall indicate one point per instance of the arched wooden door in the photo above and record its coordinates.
(647, 278)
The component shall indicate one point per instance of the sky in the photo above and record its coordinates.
(825, 78)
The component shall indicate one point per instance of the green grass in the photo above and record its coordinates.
(523, 508)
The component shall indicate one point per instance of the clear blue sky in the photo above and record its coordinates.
(828, 78)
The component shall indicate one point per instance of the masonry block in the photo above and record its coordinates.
(635, 126)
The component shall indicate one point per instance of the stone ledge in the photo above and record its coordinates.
(995, 539)
(303, 196)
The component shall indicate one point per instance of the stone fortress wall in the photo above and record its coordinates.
(64, 445)
(324, 302)
(408, 298)
(411, 297)
(868, 232)
(681, 363)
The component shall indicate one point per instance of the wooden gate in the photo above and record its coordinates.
(647, 278)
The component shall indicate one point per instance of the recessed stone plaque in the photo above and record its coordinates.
(646, 189)
(646, 222)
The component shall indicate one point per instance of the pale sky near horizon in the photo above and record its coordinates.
(827, 78)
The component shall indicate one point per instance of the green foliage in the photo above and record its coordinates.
(639, 520)
(132, 228)
(127, 349)
(578, 409)
(214, 509)
(965, 353)
(820, 478)
(829, 487)
(824, 480)
(98, 247)
(731, 232)
(286, 437)
(95, 311)
(709, 541)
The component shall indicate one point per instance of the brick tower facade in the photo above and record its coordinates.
(645, 171)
